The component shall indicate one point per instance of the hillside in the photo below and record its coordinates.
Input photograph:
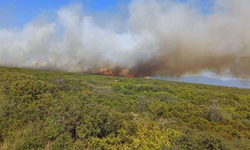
(56, 110)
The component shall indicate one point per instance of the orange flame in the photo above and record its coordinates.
(112, 71)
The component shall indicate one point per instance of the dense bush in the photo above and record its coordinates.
(56, 110)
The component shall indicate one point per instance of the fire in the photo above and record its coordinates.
(113, 71)
(131, 76)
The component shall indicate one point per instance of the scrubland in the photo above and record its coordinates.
(55, 110)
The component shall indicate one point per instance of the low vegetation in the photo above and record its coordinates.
(54, 110)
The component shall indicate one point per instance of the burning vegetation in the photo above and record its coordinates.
(112, 71)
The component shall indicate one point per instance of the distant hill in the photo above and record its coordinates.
(210, 81)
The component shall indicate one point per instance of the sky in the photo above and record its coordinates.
(16, 13)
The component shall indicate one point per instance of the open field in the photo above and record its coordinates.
(56, 110)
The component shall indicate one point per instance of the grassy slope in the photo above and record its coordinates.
(56, 110)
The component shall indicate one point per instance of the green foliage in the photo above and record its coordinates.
(57, 111)
(200, 141)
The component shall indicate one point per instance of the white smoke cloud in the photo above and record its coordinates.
(158, 37)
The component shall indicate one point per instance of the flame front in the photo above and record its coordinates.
(112, 71)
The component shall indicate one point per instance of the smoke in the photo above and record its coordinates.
(157, 37)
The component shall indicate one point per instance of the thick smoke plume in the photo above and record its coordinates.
(156, 37)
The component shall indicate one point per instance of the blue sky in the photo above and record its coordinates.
(16, 13)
